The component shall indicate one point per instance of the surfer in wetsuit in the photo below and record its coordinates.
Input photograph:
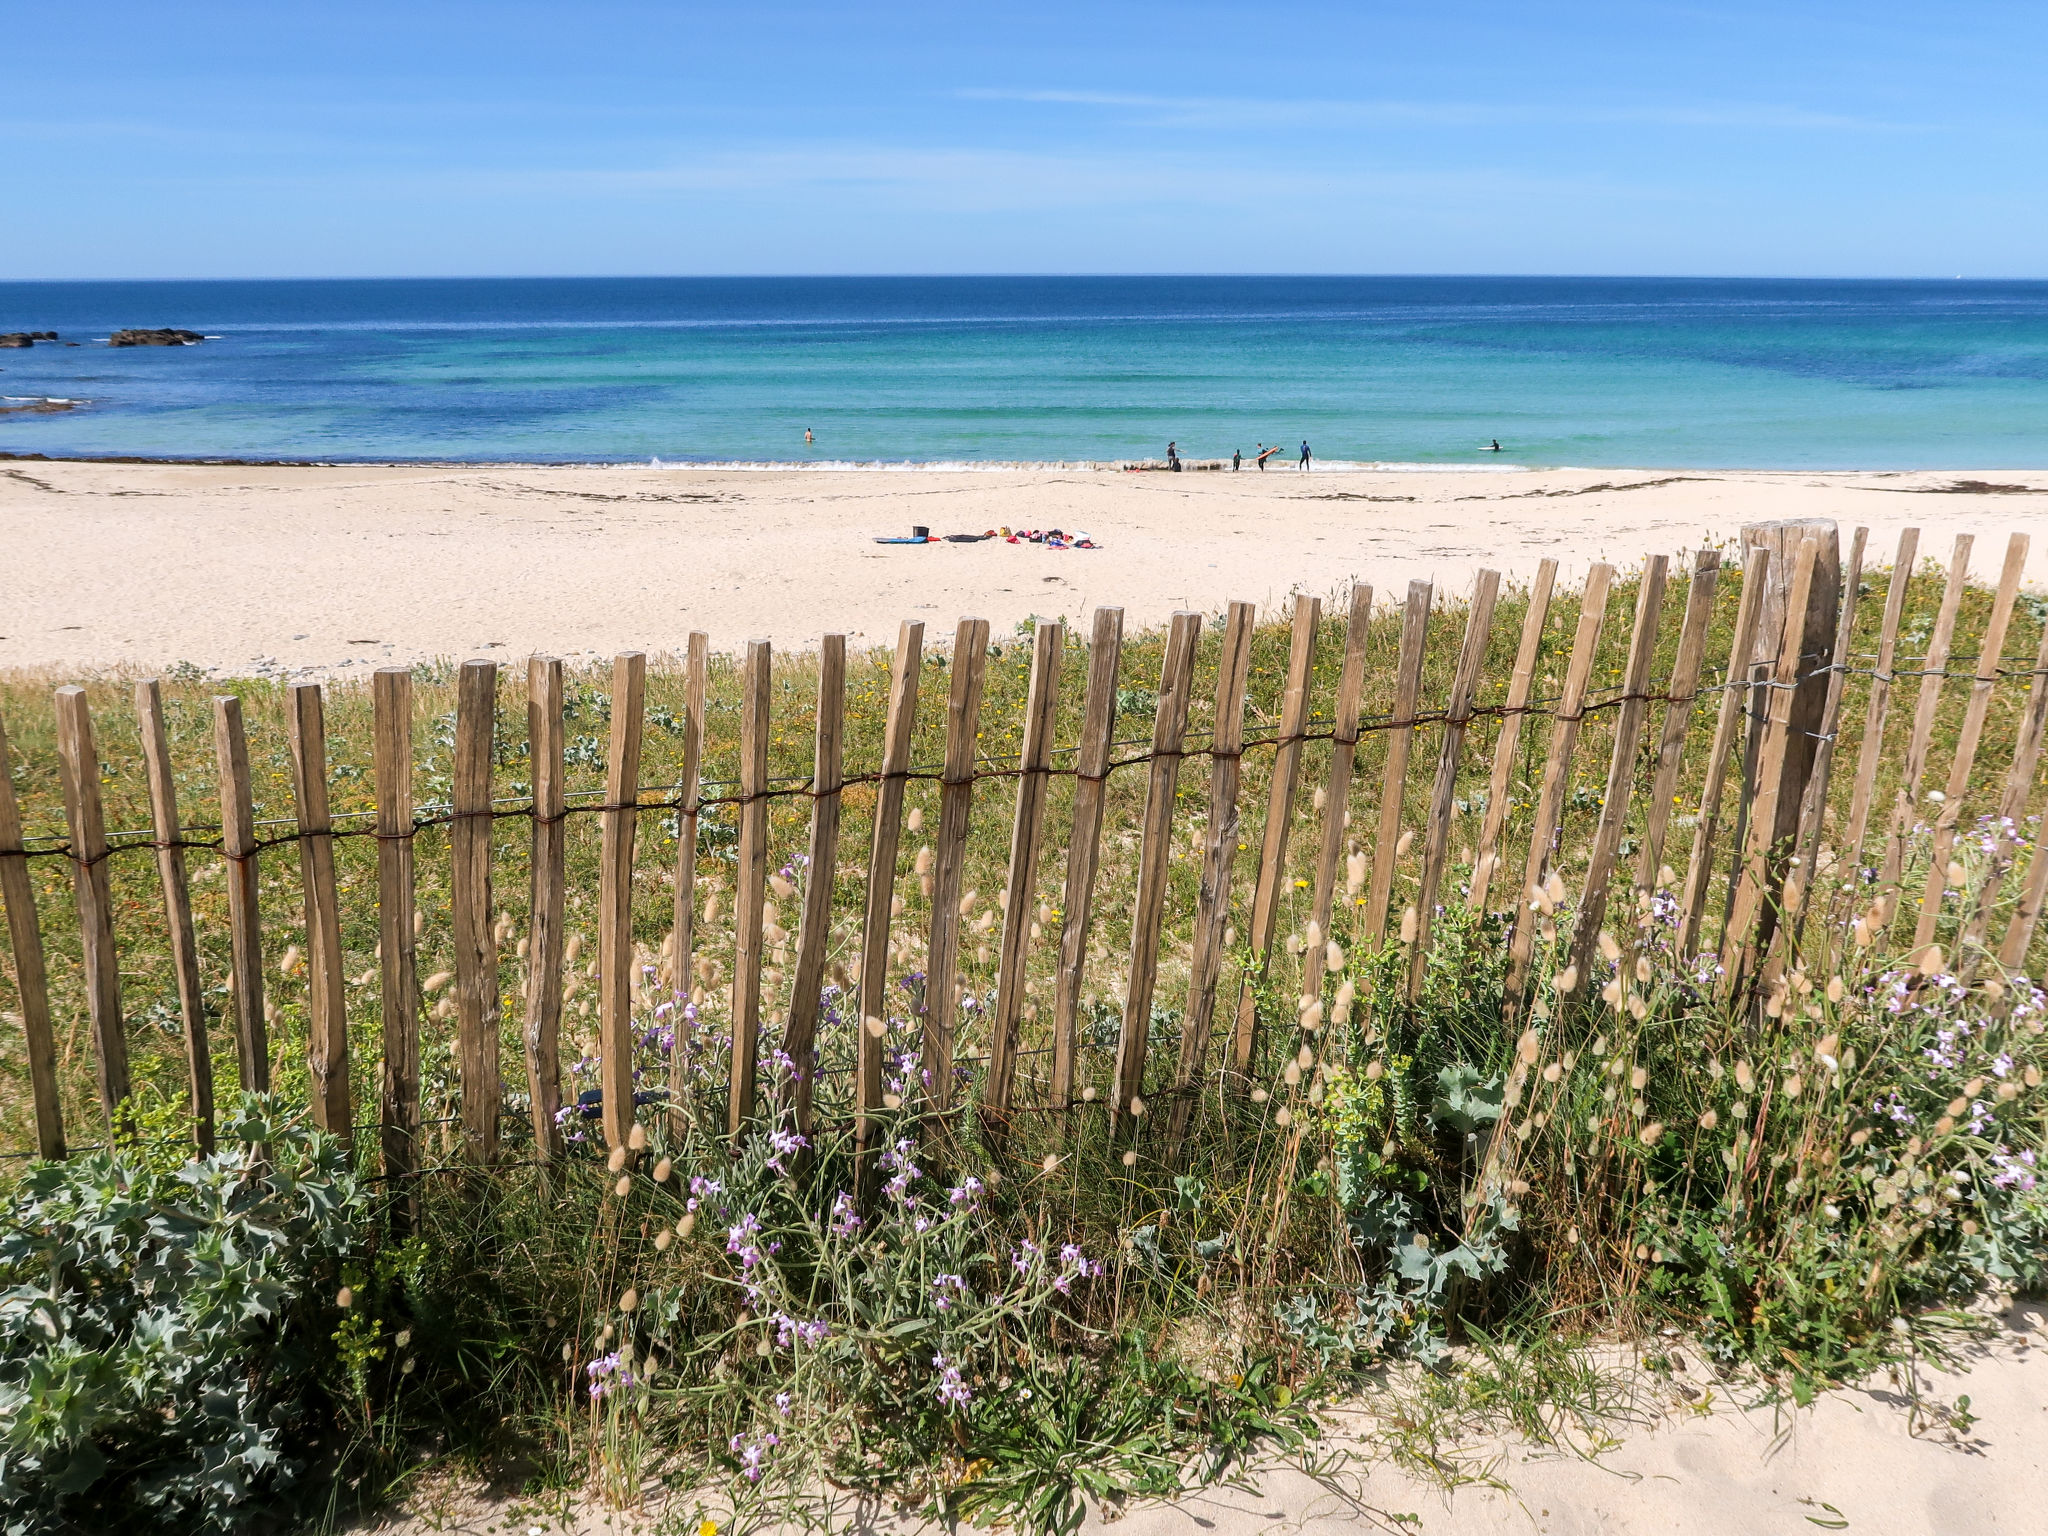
(1172, 458)
(1304, 453)
(1496, 446)
(1236, 460)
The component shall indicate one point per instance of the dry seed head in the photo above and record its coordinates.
(637, 1137)
(1709, 1120)
(1312, 938)
(1130, 1159)
(1333, 956)
(1312, 1017)
(1285, 1116)
(662, 1170)
(1643, 969)
(1714, 1068)
(1137, 1107)
(1408, 925)
(922, 864)
(1407, 841)
(2007, 1092)
(1957, 1106)
(1835, 989)
(1933, 961)
(1087, 1095)
(1638, 1009)
(1525, 1047)
(617, 1160)
(1566, 979)
(437, 981)
(1944, 1125)
(1745, 1078)
(1294, 943)
(1552, 1072)
(290, 963)
(781, 887)
(630, 1300)
(1354, 874)
(1610, 951)
(1340, 1010)
(967, 902)
(876, 1027)
(892, 1101)
(1857, 1138)
(344, 1298)
(1291, 1075)
(1794, 1085)
(663, 1239)
(1957, 875)
(2033, 1077)
(1739, 1109)
(687, 1224)
(624, 1187)
(711, 909)
(915, 820)
(1259, 1095)
(568, 1353)
(1052, 1162)
(1638, 1078)
(1554, 887)
(1374, 1071)
(1651, 1132)
(1045, 912)
(1611, 993)
(1666, 876)
(1540, 900)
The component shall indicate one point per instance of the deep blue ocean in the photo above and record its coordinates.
(1371, 370)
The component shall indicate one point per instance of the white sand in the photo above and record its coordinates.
(1705, 1467)
(324, 568)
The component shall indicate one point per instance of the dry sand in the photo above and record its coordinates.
(292, 568)
(1694, 1462)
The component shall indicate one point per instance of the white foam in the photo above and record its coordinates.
(1001, 466)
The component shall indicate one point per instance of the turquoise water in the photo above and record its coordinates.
(1425, 371)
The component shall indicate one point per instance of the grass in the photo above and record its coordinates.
(1781, 1177)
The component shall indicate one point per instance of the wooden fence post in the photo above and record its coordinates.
(1734, 696)
(167, 831)
(814, 929)
(1444, 794)
(751, 886)
(1879, 704)
(327, 1011)
(1621, 765)
(1294, 710)
(31, 978)
(1400, 730)
(956, 800)
(1814, 802)
(1762, 864)
(689, 813)
(546, 937)
(1084, 846)
(621, 823)
(881, 894)
(1557, 772)
(1169, 733)
(1684, 691)
(1219, 857)
(399, 981)
(1989, 659)
(1027, 831)
(81, 762)
(1816, 647)
(2012, 805)
(1486, 853)
(244, 881)
(1907, 798)
(469, 901)
(1337, 788)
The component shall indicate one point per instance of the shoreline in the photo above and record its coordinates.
(326, 569)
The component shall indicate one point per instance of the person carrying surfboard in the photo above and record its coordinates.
(1266, 453)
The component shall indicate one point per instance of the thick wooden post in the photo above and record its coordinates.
(751, 882)
(1084, 847)
(244, 879)
(881, 896)
(815, 927)
(81, 762)
(469, 903)
(1813, 808)
(166, 830)
(1169, 731)
(399, 981)
(31, 979)
(327, 1013)
(546, 936)
(1816, 648)
(1219, 857)
(956, 800)
(615, 894)
(1026, 833)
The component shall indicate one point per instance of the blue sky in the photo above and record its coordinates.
(362, 138)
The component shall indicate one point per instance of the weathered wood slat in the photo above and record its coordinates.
(1444, 794)
(1683, 693)
(1219, 858)
(1814, 802)
(397, 948)
(689, 814)
(1761, 857)
(1629, 716)
(244, 882)
(1272, 881)
(1155, 851)
(1734, 696)
(31, 975)
(814, 929)
(1337, 787)
(167, 831)
(1027, 830)
(469, 906)
(546, 936)
(1879, 704)
(1400, 730)
(618, 833)
(2019, 932)
(956, 801)
(1989, 658)
(881, 893)
(79, 755)
(1557, 772)
(327, 1011)
(1486, 854)
(2012, 804)
(751, 886)
(1906, 799)
(1084, 846)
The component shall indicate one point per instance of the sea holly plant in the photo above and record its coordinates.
(159, 1325)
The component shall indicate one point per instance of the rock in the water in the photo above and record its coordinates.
(26, 338)
(169, 336)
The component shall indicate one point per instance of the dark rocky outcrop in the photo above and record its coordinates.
(26, 338)
(169, 336)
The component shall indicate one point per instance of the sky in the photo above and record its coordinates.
(438, 138)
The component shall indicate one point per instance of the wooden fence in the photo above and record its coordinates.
(1780, 816)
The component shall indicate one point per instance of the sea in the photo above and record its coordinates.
(952, 372)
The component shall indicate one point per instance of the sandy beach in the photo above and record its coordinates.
(289, 568)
